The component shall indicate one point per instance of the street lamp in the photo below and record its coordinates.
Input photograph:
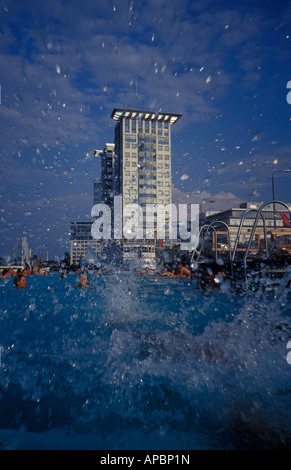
(273, 190)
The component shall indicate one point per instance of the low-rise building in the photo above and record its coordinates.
(228, 222)
(82, 244)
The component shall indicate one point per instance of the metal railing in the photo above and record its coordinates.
(274, 202)
(240, 229)
(232, 253)
(196, 249)
(209, 227)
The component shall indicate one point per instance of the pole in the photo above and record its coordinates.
(273, 192)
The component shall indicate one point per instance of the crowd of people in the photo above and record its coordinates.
(206, 278)
(20, 275)
(180, 271)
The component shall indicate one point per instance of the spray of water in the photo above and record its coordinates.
(149, 357)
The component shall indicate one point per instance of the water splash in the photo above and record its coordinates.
(194, 369)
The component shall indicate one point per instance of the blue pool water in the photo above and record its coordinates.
(143, 363)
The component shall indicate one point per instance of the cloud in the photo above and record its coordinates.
(44, 221)
(207, 201)
(83, 50)
(66, 65)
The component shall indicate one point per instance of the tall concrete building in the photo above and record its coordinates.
(142, 163)
(97, 192)
(143, 155)
(137, 166)
(107, 169)
(82, 244)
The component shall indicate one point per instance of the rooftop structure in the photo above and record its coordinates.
(120, 113)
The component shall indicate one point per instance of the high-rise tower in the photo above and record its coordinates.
(142, 169)
(107, 168)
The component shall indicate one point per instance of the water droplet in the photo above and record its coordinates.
(208, 79)
(184, 177)
(256, 136)
(58, 69)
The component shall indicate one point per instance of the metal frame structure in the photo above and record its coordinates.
(209, 227)
(195, 249)
(274, 202)
(232, 253)
(240, 229)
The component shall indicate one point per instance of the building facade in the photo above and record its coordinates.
(107, 173)
(137, 166)
(278, 233)
(97, 192)
(83, 247)
(142, 168)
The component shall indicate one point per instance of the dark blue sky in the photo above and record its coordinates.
(66, 64)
